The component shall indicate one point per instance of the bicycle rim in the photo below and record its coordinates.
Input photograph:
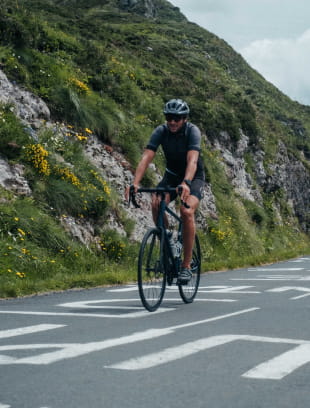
(189, 291)
(151, 274)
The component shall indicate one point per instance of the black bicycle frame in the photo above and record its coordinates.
(163, 207)
(175, 261)
(165, 267)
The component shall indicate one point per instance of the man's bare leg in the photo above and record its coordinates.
(155, 209)
(189, 229)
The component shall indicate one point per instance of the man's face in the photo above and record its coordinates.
(175, 123)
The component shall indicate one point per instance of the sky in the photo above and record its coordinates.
(272, 35)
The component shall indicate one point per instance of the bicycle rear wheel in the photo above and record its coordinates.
(151, 273)
(189, 291)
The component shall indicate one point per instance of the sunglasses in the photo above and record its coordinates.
(170, 118)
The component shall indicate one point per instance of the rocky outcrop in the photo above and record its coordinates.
(144, 7)
(12, 179)
(117, 170)
(289, 174)
(34, 113)
(82, 230)
(286, 172)
(29, 108)
(235, 166)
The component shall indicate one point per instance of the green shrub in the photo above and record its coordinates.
(113, 246)
(256, 213)
(66, 194)
(12, 134)
(75, 189)
(86, 110)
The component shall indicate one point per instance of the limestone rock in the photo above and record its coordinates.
(235, 166)
(29, 108)
(12, 179)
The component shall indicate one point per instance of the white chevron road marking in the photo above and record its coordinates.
(28, 330)
(71, 350)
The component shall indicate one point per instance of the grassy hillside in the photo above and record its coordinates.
(107, 69)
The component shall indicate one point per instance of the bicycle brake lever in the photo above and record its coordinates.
(185, 204)
(180, 189)
(134, 202)
(132, 197)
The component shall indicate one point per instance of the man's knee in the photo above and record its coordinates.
(193, 204)
(187, 213)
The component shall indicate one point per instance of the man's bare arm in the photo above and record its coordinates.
(144, 163)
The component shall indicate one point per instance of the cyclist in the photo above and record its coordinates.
(180, 141)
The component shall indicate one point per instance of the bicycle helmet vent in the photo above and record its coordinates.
(176, 107)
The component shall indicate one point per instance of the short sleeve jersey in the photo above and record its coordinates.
(175, 147)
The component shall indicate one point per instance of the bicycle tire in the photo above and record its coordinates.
(151, 272)
(189, 291)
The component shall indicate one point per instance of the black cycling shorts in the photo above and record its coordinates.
(169, 180)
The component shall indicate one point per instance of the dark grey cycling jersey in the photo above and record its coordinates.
(176, 146)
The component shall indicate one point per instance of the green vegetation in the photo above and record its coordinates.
(37, 255)
(246, 233)
(12, 135)
(107, 70)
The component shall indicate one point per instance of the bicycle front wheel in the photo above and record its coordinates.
(189, 291)
(151, 273)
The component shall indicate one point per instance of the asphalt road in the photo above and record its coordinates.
(243, 343)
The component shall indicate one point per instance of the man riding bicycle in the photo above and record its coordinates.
(180, 141)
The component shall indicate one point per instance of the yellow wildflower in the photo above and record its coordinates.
(37, 155)
(80, 86)
(21, 231)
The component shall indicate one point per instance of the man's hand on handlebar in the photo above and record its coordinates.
(130, 195)
(129, 190)
(183, 191)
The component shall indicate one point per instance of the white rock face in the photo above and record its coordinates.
(28, 107)
(11, 178)
(285, 172)
(116, 170)
(235, 170)
(34, 113)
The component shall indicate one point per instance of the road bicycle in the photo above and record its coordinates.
(161, 253)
